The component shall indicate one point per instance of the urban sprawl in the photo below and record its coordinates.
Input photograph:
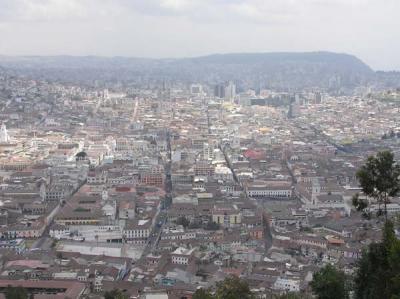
(165, 189)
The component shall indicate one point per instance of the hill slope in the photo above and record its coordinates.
(274, 70)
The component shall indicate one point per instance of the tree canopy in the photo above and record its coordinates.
(115, 294)
(16, 293)
(379, 178)
(330, 283)
(378, 271)
(231, 287)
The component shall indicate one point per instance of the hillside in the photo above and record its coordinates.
(287, 71)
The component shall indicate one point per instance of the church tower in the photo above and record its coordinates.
(4, 137)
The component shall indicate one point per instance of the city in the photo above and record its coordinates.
(134, 164)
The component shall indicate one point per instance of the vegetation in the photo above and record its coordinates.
(16, 293)
(231, 288)
(378, 271)
(212, 226)
(115, 294)
(380, 179)
(183, 221)
(330, 283)
(292, 295)
(203, 294)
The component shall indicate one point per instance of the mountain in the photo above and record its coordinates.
(286, 71)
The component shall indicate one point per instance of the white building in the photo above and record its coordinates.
(182, 256)
(4, 137)
(274, 189)
(230, 91)
(137, 231)
(223, 173)
(286, 284)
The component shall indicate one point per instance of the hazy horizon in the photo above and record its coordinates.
(191, 28)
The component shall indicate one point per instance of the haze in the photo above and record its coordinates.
(181, 28)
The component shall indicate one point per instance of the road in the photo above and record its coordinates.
(161, 218)
(44, 242)
(135, 110)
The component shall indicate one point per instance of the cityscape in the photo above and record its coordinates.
(248, 175)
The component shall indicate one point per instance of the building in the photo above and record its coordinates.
(226, 215)
(4, 137)
(219, 91)
(230, 91)
(182, 256)
(273, 189)
(137, 231)
(50, 289)
(286, 284)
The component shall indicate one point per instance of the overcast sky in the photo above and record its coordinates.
(369, 29)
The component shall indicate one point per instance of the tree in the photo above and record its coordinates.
(330, 283)
(233, 288)
(292, 295)
(212, 226)
(380, 178)
(183, 221)
(115, 294)
(378, 270)
(16, 293)
(361, 204)
(202, 294)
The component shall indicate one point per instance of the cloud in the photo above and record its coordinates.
(193, 10)
(171, 28)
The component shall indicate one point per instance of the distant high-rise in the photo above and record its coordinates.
(318, 98)
(230, 91)
(219, 91)
(196, 89)
(4, 137)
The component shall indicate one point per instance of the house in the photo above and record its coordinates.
(182, 256)
(273, 189)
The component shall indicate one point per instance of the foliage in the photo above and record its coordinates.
(212, 226)
(361, 204)
(230, 288)
(16, 293)
(379, 178)
(202, 294)
(291, 295)
(378, 271)
(233, 288)
(115, 294)
(183, 221)
(330, 283)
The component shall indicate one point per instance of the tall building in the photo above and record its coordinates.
(230, 91)
(318, 98)
(196, 89)
(219, 91)
(4, 137)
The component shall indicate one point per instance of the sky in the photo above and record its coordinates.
(369, 29)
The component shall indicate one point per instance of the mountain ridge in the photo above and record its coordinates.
(278, 70)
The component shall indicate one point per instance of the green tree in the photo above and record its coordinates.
(361, 204)
(292, 295)
(378, 270)
(202, 294)
(115, 294)
(16, 293)
(330, 283)
(183, 221)
(233, 287)
(380, 179)
(212, 226)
